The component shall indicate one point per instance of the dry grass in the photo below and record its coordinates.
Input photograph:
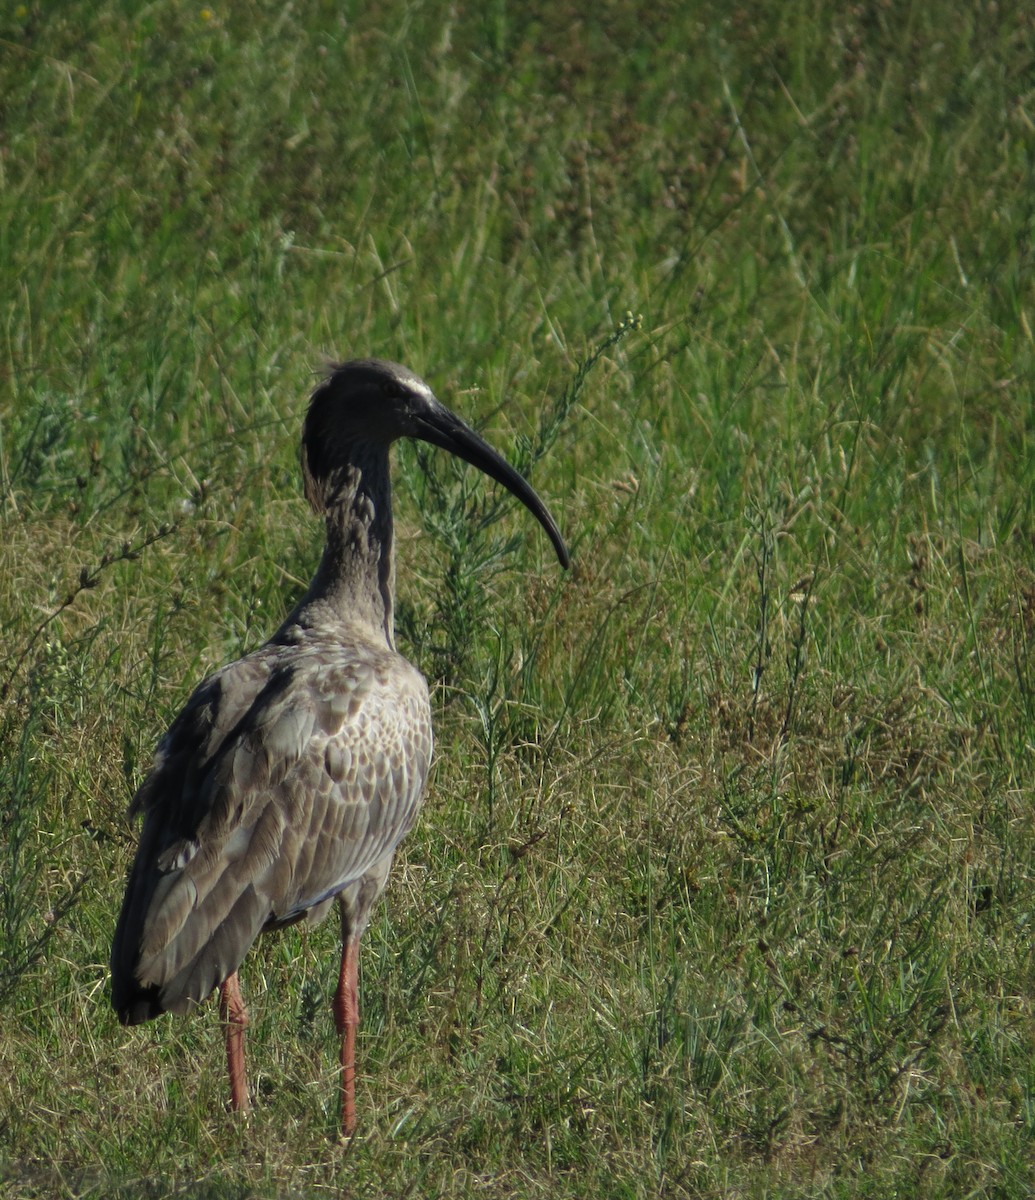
(724, 885)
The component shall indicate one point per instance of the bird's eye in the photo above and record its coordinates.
(391, 390)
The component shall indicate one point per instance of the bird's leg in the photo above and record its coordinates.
(346, 1018)
(235, 1017)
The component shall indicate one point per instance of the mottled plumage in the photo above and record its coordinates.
(291, 775)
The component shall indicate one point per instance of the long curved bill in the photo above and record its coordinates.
(444, 429)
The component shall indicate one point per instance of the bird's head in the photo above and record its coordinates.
(375, 402)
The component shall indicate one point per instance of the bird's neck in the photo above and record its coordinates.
(355, 581)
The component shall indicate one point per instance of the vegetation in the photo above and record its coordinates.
(724, 886)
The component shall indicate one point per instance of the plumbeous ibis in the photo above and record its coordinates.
(291, 776)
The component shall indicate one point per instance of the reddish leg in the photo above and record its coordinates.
(235, 1017)
(346, 1018)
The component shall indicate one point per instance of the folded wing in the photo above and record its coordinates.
(288, 776)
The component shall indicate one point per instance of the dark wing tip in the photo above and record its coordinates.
(135, 1005)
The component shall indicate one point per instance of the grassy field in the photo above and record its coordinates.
(724, 886)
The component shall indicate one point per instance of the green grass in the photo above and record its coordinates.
(724, 886)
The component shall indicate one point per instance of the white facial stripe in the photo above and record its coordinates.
(418, 385)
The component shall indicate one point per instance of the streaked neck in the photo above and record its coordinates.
(355, 581)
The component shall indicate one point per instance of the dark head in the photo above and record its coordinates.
(374, 402)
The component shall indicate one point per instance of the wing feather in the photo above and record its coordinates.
(288, 776)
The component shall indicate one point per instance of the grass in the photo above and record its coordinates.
(724, 886)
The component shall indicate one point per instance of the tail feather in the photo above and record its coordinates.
(148, 980)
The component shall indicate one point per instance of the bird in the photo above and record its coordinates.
(291, 775)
